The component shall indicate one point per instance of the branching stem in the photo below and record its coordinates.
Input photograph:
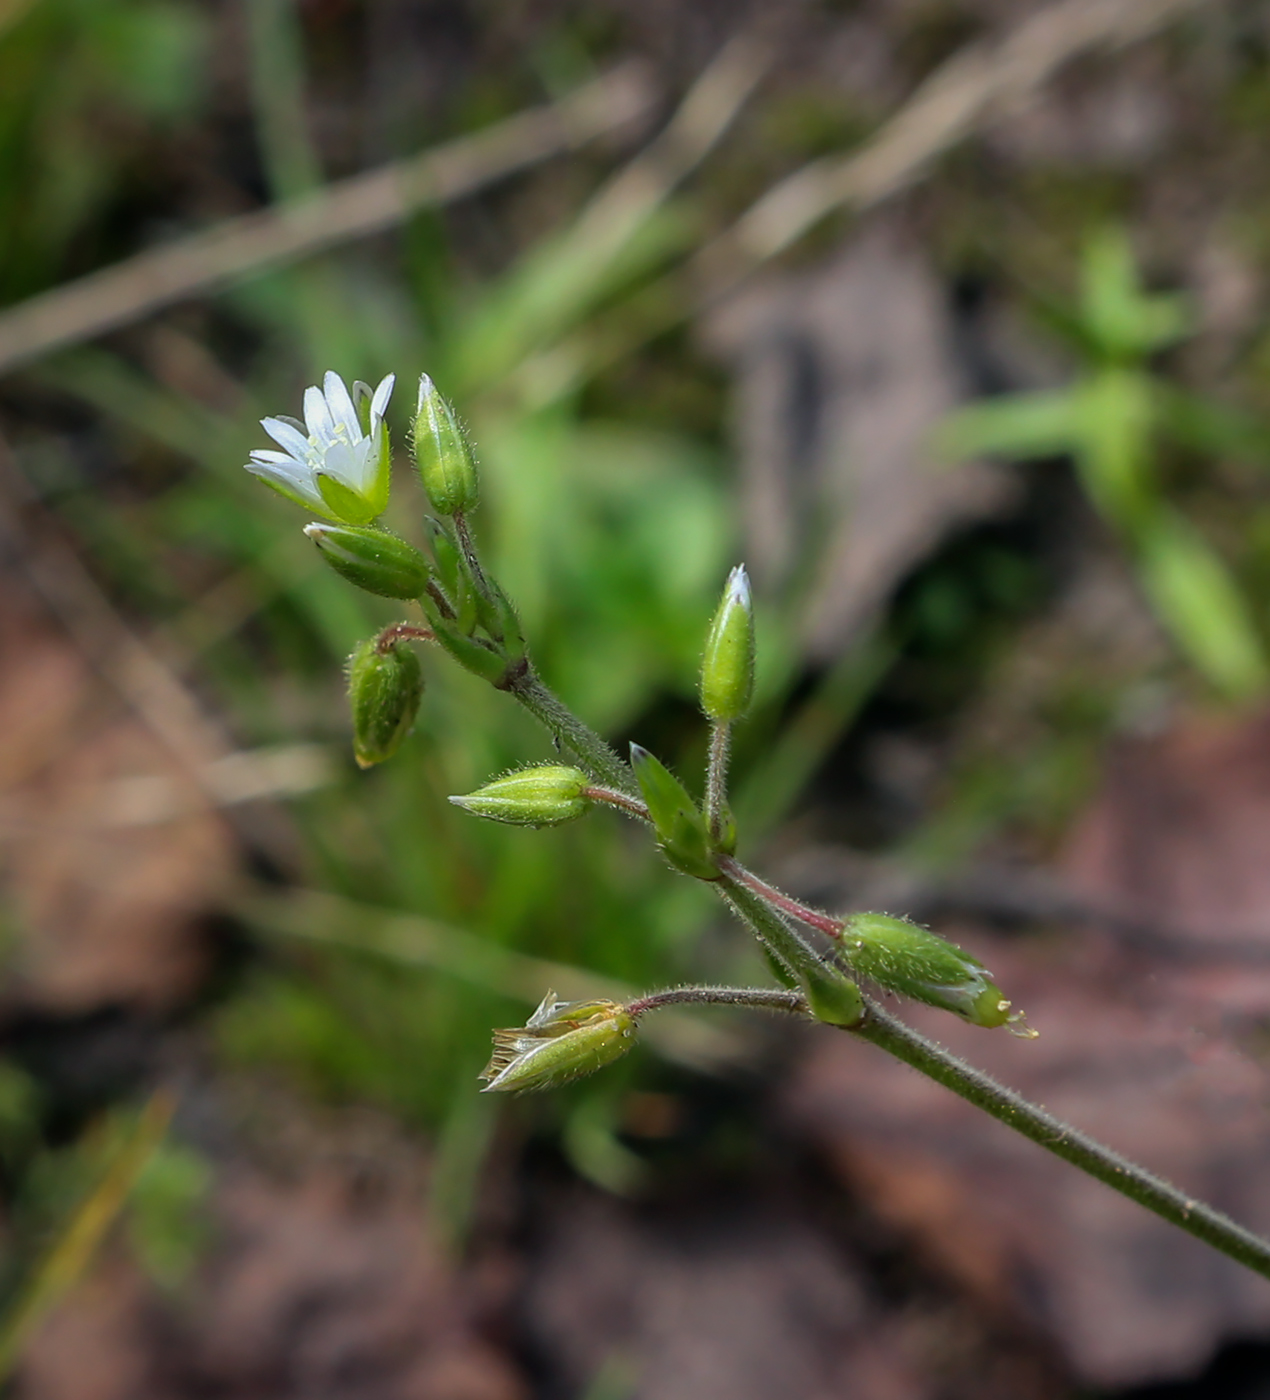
(770, 895)
(593, 755)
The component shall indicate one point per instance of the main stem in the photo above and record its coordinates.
(595, 756)
(1064, 1141)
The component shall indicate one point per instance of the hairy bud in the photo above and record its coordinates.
(906, 958)
(542, 796)
(727, 670)
(372, 559)
(443, 454)
(384, 689)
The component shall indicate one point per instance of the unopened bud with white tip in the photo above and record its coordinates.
(727, 669)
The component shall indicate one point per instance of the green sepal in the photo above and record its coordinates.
(499, 619)
(681, 829)
(906, 958)
(381, 481)
(384, 689)
(445, 555)
(780, 969)
(372, 559)
(833, 997)
(472, 655)
(442, 453)
(346, 505)
(546, 795)
(293, 496)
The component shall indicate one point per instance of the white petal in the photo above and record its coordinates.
(341, 406)
(288, 437)
(380, 402)
(317, 415)
(341, 462)
(301, 486)
(263, 454)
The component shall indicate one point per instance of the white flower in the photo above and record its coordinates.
(328, 463)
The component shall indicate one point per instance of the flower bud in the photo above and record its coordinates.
(906, 958)
(727, 670)
(681, 829)
(443, 453)
(372, 559)
(562, 1041)
(543, 796)
(384, 689)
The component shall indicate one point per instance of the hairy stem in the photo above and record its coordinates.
(468, 547)
(769, 894)
(761, 998)
(889, 1034)
(717, 779)
(618, 799)
(782, 941)
(593, 755)
(1157, 1195)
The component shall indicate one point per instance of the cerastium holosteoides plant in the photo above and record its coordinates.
(336, 461)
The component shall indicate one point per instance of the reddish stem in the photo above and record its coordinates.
(617, 799)
(402, 632)
(769, 894)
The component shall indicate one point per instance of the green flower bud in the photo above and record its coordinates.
(543, 796)
(384, 689)
(727, 670)
(562, 1041)
(906, 958)
(681, 829)
(443, 453)
(372, 559)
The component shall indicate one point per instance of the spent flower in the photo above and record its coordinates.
(337, 462)
(561, 1041)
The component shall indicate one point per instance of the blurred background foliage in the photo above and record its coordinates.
(381, 933)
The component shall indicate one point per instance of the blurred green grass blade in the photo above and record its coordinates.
(1122, 320)
(775, 782)
(72, 1252)
(1019, 426)
(430, 944)
(1200, 603)
(1211, 428)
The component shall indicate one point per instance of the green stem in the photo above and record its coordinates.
(595, 756)
(889, 1034)
(717, 778)
(759, 998)
(778, 899)
(1064, 1141)
(774, 932)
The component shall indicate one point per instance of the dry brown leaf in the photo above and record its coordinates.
(104, 908)
(327, 1286)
